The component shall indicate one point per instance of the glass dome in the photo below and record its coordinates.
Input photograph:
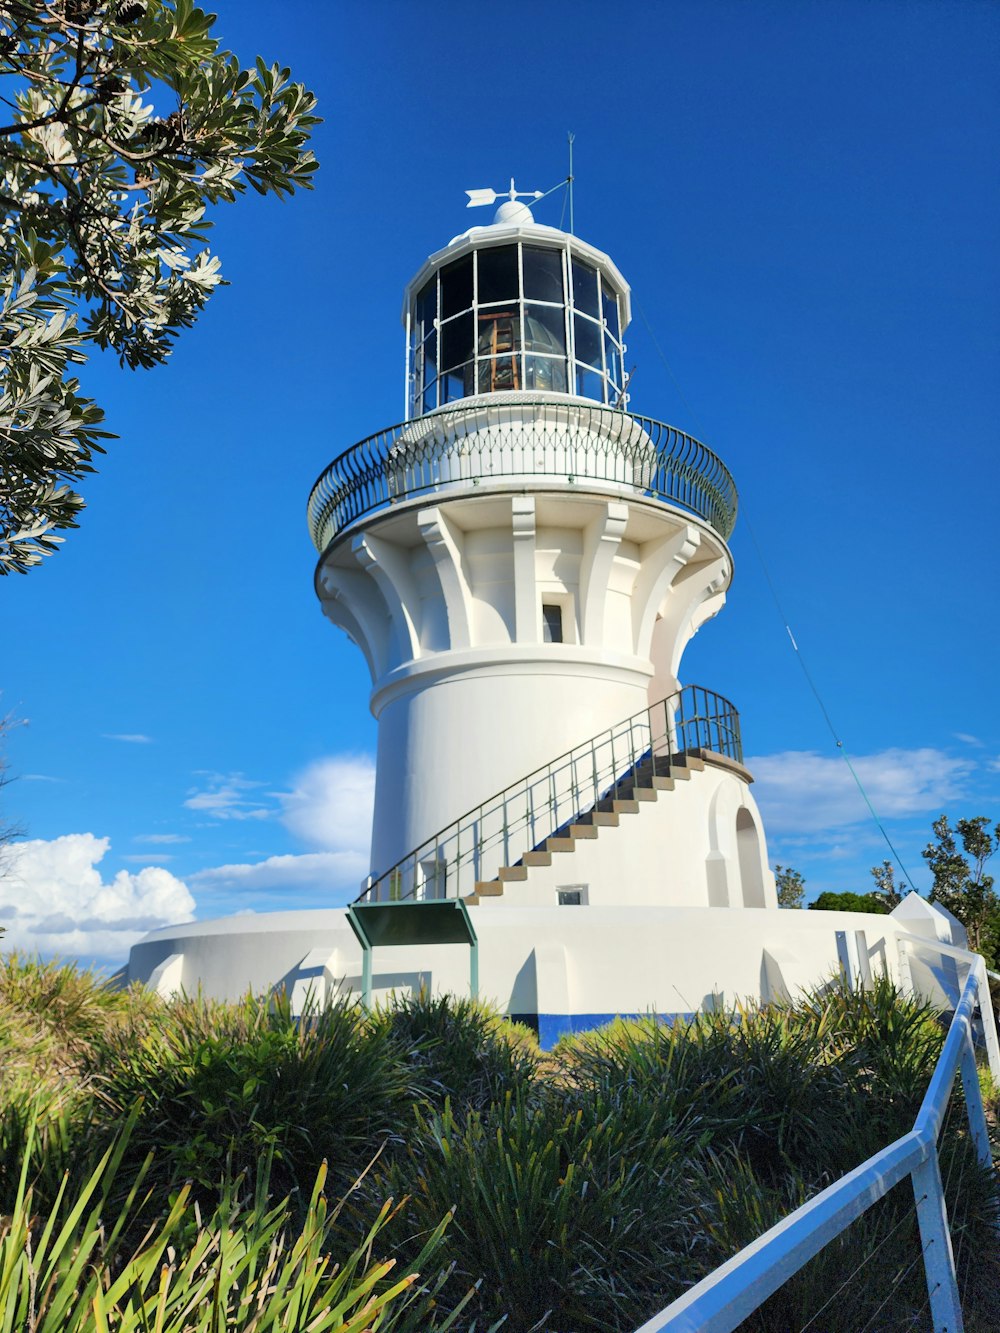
(508, 315)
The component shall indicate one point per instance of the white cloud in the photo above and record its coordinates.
(328, 873)
(54, 900)
(966, 739)
(161, 838)
(328, 808)
(130, 737)
(330, 805)
(226, 796)
(801, 791)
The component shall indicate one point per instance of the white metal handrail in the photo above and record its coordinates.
(722, 1300)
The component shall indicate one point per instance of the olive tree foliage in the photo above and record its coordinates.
(887, 886)
(121, 123)
(961, 883)
(791, 886)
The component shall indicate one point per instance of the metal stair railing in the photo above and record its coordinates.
(725, 1298)
(498, 831)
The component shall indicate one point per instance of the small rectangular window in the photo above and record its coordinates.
(572, 895)
(552, 623)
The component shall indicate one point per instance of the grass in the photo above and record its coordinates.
(170, 1164)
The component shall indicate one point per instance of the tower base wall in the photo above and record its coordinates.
(562, 969)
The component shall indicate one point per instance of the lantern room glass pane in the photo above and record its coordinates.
(428, 357)
(586, 297)
(456, 341)
(499, 332)
(453, 383)
(588, 341)
(497, 274)
(544, 329)
(589, 384)
(612, 360)
(426, 310)
(543, 274)
(547, 374)
(456, 287)
(611, 312)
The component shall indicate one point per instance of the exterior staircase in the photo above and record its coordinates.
(546, 813)
(641, 784)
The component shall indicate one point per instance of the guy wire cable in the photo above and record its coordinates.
(788, 630)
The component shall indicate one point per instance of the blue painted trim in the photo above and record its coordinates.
(551, 1027)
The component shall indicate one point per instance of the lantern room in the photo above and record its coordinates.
(515, 306)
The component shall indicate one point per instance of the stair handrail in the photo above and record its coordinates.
(713, 727)
(720, 1302)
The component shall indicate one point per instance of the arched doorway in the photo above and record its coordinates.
(748, 850)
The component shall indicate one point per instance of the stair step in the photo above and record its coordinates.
(560, 844)
(508, 873)
(693, 762)
(644, 794)
(680, 771)
(488, 888)
(604, 819)
(630, 807)
(536, 859)
(663, 784)
(583, 830)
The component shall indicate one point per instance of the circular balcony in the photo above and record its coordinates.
(519, 440)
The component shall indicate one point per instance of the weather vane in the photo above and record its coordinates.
(479, 198)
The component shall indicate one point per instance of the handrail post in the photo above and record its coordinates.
(989, 1019)
(905, 975)
(974, 1101)
(935, 1241)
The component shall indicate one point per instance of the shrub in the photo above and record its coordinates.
(222, 1084)
(245, 1266)
(54, 1016)
(458, 1049)
(750, 1079)
(563, 1225)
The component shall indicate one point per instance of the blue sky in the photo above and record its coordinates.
(804, 198)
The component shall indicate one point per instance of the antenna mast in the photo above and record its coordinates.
(569, 179)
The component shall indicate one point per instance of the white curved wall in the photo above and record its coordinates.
(446, 602)
(444, 749)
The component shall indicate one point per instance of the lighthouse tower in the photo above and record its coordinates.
(522, 563)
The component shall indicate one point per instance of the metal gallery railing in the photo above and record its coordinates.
(725, 1298)
(515, 439)
(500, 830)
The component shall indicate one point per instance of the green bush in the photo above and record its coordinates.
(590, 1186)
(560, 1221)
(458, 1049)
(751, 1079)
(55, 1016)
(246, 1266)
(222, 1084)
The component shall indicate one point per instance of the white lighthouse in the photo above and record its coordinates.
(522, 563)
